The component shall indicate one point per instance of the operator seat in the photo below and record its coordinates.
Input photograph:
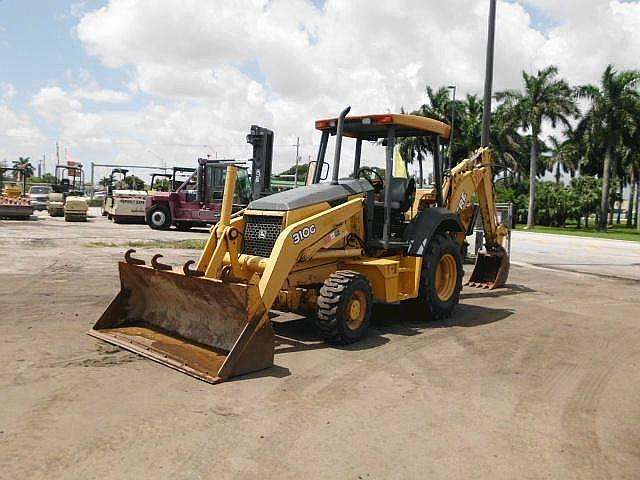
(402, 192)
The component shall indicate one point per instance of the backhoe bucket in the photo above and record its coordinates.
(491, 269)
(206, 328)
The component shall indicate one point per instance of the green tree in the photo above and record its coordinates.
(609, 122)
(134, 183)
(565, 155)
(25, 167)
(587, 190)
(545, 97)
(303, 169)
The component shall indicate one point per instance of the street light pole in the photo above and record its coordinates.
(488, 79)
(295, 180)
(453, 122)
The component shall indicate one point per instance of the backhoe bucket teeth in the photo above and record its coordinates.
(491, 269)
(203, 327)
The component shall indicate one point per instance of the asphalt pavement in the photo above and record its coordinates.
(609, 258)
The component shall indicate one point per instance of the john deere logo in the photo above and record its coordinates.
(262, 234)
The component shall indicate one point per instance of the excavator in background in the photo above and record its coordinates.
(326, 250)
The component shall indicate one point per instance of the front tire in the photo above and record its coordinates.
(159, 217)
(441, 277)
(344, 307)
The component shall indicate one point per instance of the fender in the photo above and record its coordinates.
(425, 225)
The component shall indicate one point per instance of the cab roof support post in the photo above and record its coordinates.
(324, 140)
(386, 232)
(356, 163)
(437, 172)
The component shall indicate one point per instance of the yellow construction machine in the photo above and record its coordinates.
(326, 250)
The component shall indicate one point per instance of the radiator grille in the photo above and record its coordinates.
(260, 234)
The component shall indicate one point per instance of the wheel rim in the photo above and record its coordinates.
(158, 218)
(356, 310)
(446, 277)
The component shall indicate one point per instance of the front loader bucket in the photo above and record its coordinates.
(205, 328)
(491, 269)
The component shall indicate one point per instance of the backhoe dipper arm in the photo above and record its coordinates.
(475, 176)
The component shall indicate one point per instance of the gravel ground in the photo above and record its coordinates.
(537, 380)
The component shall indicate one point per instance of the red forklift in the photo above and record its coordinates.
(197, 201)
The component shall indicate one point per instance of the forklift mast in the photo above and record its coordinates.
(262, 159)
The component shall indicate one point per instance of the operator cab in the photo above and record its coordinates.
(212, 179)
(394, 191)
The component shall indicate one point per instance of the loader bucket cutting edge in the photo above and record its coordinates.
(491, 269)
(201, 327)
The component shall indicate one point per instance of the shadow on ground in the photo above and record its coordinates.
(508, 290)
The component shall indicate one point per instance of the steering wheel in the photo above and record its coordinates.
(377, 183)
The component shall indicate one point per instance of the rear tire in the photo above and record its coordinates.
(159, 217)
(344, 307)
(441, 277)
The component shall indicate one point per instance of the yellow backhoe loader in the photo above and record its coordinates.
(327, 250)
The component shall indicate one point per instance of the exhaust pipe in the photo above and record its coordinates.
(336, 157)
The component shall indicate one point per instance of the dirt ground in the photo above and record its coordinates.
(538, 380)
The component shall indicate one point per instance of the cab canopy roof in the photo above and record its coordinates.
(374, 127)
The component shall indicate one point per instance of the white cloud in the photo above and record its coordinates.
(102, 95)
(208, 70)
(16, 127)
(53, 103)
(7, 92)
(374, 56)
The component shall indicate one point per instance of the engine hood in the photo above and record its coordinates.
(310, 195)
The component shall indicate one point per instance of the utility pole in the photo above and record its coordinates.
(57, 153)
(488, 82)
(295, 181)
(453, 122)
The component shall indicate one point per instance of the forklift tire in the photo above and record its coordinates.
(159, 217)
(344, 307)
(441, 277)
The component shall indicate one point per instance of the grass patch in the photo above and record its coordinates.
(615, 232)
(184, 244)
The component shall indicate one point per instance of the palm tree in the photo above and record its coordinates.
(23, 164)
(564, 155)
(418, 148)
(510, 147)
(470, 125)
(467, 128)
(608, 123)
(545, 97)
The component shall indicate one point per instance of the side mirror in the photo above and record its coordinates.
(324, 172)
